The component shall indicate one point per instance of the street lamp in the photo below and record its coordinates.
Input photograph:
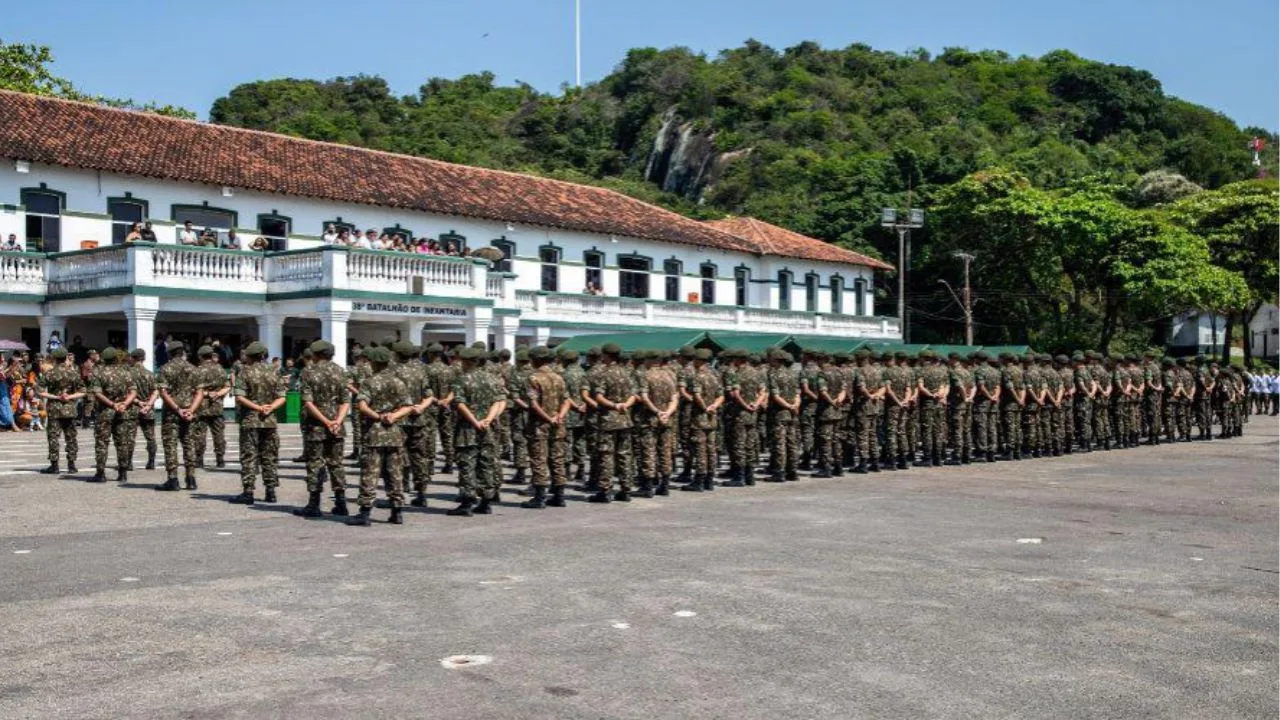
(915, 219)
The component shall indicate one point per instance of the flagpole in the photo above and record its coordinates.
(577, 42)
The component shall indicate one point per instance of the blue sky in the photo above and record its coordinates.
(1219, 53)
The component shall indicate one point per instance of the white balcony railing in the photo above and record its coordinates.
(399, 272)
(22, 273)
(204, 266)
(88, 271)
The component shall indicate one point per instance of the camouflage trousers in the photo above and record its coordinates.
(784, 448)
(381, 461)
(961, 426)
(418, 459)
(147, 425)
(986, 424)
(503, 435)
(895, 430)
(477, 467)
(933, 428)
(520, 438)
(174, 433)
(614, 451)
(259, 453)
(445, 423)
(575, 450)
(111, 427)
(1152, 416)
(655, 453)
(702, 442)
(591, 431)
(743, 446)
(358, 427)
(55, 430)
(911, 425)
(826, 451)
(864, 440)
(808, 427)
(1203, 414)
(214, 425)
(545, 444)
(325, 455)
(1052, 425)
(1101, 420)
(1031, 438)
(1011, 425)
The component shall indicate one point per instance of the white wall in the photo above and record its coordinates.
(87, 192)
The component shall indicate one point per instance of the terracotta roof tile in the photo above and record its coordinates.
(774, 240)
(84, 135)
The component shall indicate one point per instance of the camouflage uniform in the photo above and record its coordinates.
(1202, 404)
(575, 381)
(1052, 414)
(808, 410)
(986, 412)
(898, 379)
(210, 421)
(868, 379)
(1034, 380)
(684, 377)
(440, 377)
(259, 439)
(960, 412)
(614, 383)
(517, 378)
(358, 375)
(544, 441)
(1152, 391)
(61, 415)
(653, 453)
(114, 382)
(1168, 407)
(145, 381)
(830, 385)
(476, 451)
(323, 384)
(743, 447)
(783, 423)
(419, 454)
(179, 379)
(936, 379)
(1012, 385)
(384, 450)
(704, 386)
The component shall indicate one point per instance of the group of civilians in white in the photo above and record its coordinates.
(395, 242)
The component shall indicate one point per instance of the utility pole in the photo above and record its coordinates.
(577, 42)
(915, 219)
(968, 299)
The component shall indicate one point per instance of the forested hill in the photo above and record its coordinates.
(810, 138)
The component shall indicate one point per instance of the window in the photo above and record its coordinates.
(633, 276)
(203, 216)
(550, 259)
(837, 295)
(595, 267)
(124, 213)
(276, 228)
(338, 225)
(508, 249)
(459, 242)
(708, 274)
(672, 268)
(811, 292)
(860, 297)
(784, 290)
(44, 218)
(741, 281)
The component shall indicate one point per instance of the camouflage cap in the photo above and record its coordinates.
(1167, 361)
(321, 347)
(593, 352)
(1006, 356)
(900, 355)
(1077, 356)
(567, 354)
(257, 349)
(928, 355)
(687, 351)
(612, 349)
(470, 353)
(702, 354)
(480, 345)
(1182, 362)
(954, 355)
(522, 355)
(1130, 357)
(108, 354)
(403, 348)
(138, 354)
(378, 355)
(981, 356)
(504, 354)
(539, 353)
(1201, 358)
(204, 351)
(861, 354)
(434, 347)
(786, 357)
(1061, 359)
(58, 354)
(175, 347)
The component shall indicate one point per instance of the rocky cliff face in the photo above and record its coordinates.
(684, 161)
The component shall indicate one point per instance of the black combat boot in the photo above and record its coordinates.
(419, 500)
(748, 476)
(151, 461)
(708, 484)
(51, 470)
(557, 497)
(447, 468)
(270, 496)
(791, 476)
(902, 462)
(300, 458)
(860, 468)
(664, 486)
(538, 501)
(463, 509)
(694, 485)
(122, 475)
(244, 498)
(71, 467)
(353, 455)
(191, 482)
(339, 505)
(169, 485)
(822, 472)
(991, 456)
(953, 458)
(222, 462)
(99, 477)
(312, 508)
(735, 479)
(873, 465)
(484, 507)
(601, 497)
(806, 463)
(622, 496)
(518, 478)
(397, 516)
(645, 488)
(361, 519)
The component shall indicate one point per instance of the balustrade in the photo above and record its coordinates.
(22, 272)
(379, 268)
(196, 265)
(90, 270)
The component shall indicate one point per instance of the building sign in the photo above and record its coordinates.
(408, 309)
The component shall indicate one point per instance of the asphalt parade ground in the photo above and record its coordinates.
(1135, 583)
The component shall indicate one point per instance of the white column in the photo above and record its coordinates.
(541, 335)
(333, 327)
(477, 325)
(411, 330)
(48, 325)
(504, 333)
(271, 333)
(140, 315)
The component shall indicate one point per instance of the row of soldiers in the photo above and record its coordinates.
(629, 420)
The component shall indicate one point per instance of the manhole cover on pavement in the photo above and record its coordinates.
(453, 662)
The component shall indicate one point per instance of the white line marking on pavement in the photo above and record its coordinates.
(224, 533)
(1030, 541)
(453, 662)
(21, 552)
(129, 579)
(341, 555)
(620, 626)
(684, 613)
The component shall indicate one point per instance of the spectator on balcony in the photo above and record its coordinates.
(260, 244)
(135, 234)
(451, 250)
(187, 235)
(11, 245)
(330, 235)
(344, 238)
(148, 235)
(365, 242)
(233, 241)
(208, 238)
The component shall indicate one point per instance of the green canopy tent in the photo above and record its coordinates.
(945, 350)
(757, 342)
(995, 350)
(884, 347)
(828, 344)
(655, 340)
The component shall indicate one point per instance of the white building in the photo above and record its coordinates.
(74, 176)
(1202, 332)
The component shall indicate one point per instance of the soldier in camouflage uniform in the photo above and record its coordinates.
(1170, 397)
(911, 419)
(1053, 414)
(1202, 402)
(614, 393)
(658, 401)
(808, 408)
(707, 396)
(384, 400)
(440, 376)
(357, 375)
(414, 426)
(479, 398)
(986, 406)
(832, 396)
(517, 415)
(61, 388)
(1066, 410)
(1013, 397)
(326, 400)
(575, 382)
(783, 416)
(1100, 412)
(934, 386)
(183, 395)
(960, 410)
(748, 394)
(1152, 394)
(142, 415)
(210, 420)
(1037, 387)
(1185, 409)
(898, 379)
(112, 388)
(259, 391)
(547, 401)
(867, 406)
(591, 421)
(1120, 398)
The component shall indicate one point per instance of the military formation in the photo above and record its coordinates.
(620, 425)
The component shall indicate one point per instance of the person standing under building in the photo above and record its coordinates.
(614, 394)
(259, 392)
(142, 414)
(707, 393)
(61, 388)
(326, 400)
(413, 374)
(575, 382)
(479, 398)
(113, 390)
(210, 421)
(934, 385)
(547, 402)
(782, 416)
(384, 401)
(183, 395)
